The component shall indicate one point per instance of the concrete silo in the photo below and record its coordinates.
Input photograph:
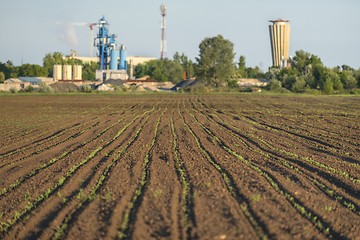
(57, 72)
(67, 72)
(77, 72)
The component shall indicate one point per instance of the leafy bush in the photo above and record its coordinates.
(274, 85)
(45, 88)
(29, 89)
(328, 87)
(13, 90)
(85, 89)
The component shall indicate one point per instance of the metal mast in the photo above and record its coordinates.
(163, 27)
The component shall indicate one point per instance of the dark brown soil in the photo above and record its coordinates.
(179, 167)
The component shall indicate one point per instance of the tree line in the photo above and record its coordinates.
(216, 67)
(307, 73)
(9, 70)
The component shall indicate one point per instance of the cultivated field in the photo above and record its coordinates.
(179, 167)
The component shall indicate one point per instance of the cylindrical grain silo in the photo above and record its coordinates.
(122, 57)
(114, 59)
(57, 73)
(77, 72)
(67, 73)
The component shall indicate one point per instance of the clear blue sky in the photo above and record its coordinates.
(327, 28)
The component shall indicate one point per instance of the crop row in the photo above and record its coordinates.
(130, 212)
(38, 142)
(54, 135)
(25, 128)
(323, 122)
(234, 131)
(230, 185)
(62, 229)
(5, 226)
(317, 130)
(310, 160)
(34, 172)
(308, 214)
(49, 146)
(318, 164)
(33, 125)
(327, 143)
(186, 195)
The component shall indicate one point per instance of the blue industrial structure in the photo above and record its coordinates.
(107, 50)
(122, 58)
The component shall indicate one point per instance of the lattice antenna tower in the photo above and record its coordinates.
(163, 28)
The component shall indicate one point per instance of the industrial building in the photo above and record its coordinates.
(113, 60)
(131, 61)
(21, 83)
(280, 42)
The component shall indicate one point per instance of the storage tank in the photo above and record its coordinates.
(122, 57)
(77, 72)
(57, 72)
(114, 59)
(67, 73)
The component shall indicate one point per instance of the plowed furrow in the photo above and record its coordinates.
(187, 201)
(116, 154)
(52, 161)
(20, 215)
(263, 149)
(231, 187)
(316, 163)
(318, 222)
(126, 229)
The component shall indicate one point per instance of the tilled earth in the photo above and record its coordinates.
(177, 166)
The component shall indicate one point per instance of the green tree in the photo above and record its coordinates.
(308, 71)
(310, 67)
(242, 63)
(186, 64)
(347, 68)
(177, 57)
(299, 85)
(301, 62)
(254, 72)
(160, 70)
(348, 79)
(173, 71)
(357, 76)
(287, 77)
(328, 87)
(275, 85)
(166, 70)
(2, 77)
(72, 61)
(215, 61)
(9, 69)
(334, 76)
(32, 70)
(190, 69)
(89, 69)
(50, 60)
(320, 74)
(241, 67)
(141, 70)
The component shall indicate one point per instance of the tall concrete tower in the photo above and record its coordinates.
(280, 42)
(163, 28)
